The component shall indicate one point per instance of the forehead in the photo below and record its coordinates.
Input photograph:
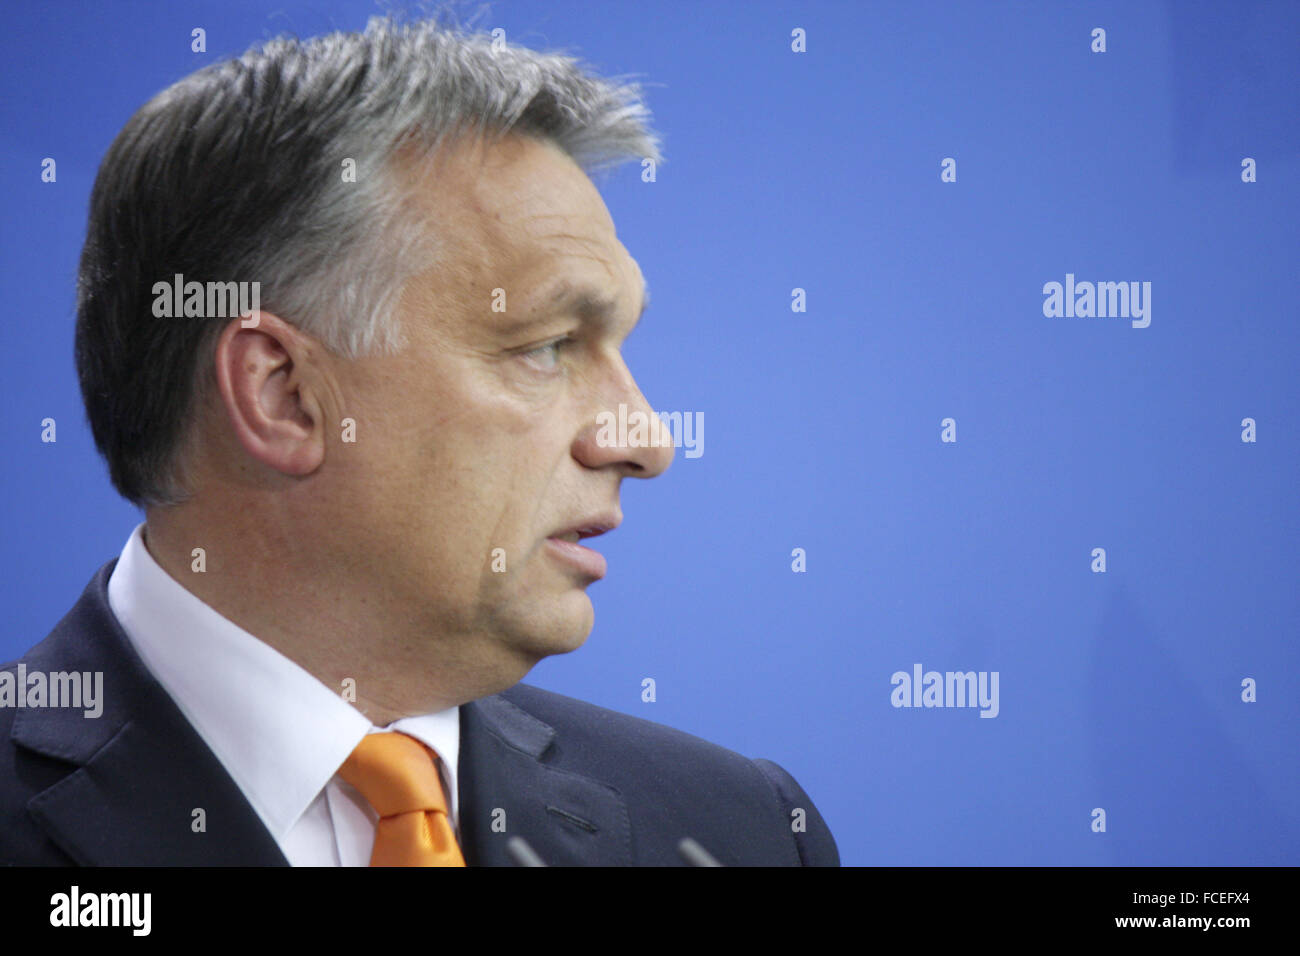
(513, 204)
(520, 216)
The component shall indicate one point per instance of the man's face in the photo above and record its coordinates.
(477, 446)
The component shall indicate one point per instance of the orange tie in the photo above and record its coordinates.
(398, 775)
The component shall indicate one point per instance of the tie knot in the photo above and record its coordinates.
(395, 773)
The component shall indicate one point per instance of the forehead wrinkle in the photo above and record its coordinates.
(585, 298)
(562, 244)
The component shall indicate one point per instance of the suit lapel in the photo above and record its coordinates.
(143, 772)
(507, 789)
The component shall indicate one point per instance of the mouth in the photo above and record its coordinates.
(564, 545)
(573, 537)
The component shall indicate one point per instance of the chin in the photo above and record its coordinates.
(564, 630)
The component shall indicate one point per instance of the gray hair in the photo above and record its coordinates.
(235, 173)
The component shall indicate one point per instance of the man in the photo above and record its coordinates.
(364, 484)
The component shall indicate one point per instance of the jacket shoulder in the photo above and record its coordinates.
(23, 775)
(598, 725)
(700, 786)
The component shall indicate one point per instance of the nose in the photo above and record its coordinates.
(625, 433)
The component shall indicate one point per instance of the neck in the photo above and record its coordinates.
(316, 606)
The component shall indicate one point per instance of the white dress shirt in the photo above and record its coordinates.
(280, 733)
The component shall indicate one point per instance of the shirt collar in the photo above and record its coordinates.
(279, 732)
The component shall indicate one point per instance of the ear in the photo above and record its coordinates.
(263, 373)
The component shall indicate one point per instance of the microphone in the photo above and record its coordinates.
(522, 853)
(690, 850)
(694, 854)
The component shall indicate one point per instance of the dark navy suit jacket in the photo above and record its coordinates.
(583, 785)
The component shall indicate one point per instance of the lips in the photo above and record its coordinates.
(588, 528)
(564, 544)
(575, 536)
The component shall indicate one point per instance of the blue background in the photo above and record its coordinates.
(820, 171)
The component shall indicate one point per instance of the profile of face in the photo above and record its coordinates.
(476, 456)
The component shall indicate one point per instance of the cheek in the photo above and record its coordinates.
(468, 458)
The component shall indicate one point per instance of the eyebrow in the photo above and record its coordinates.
(565, 295)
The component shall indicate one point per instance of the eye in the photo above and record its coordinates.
(547, 357)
